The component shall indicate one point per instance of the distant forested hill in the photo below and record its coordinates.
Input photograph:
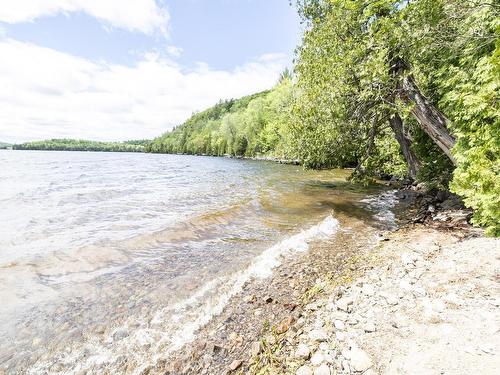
(4, 145)
(83, 145)
(254, 125)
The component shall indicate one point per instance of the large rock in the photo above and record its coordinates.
(369, 327)
(317, 358)
(368, 290)
(360, 361)
(339, 325)
(345, 304)
(302, 352)
(318, 335)
(324, 369)
(304, 370)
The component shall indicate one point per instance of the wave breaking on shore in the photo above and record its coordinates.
(143, 344)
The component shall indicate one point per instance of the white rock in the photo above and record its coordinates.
(438, 306)
(360, 361)
(405, 285)
(407, 258)
(329, 358)
(368, 290)
(323, 346)
(324, 369)
(302, 351)
(369, 327)
(311, 307)
(317, 358)
(345, 366)
(339, 324)
(304, 370)
(453, 299)
(346, 354)
(392, 300)
(318, 335)
(398, 321)
(120, 334)
(353, 320)
(341, 336)
(419, 292)
(344, 303)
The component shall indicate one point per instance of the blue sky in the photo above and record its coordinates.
(112, 69)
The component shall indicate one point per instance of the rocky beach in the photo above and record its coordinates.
(422, 299)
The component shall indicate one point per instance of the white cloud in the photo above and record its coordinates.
(49, 94)
(135, 15)
(174, 51)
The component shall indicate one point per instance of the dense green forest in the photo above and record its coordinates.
(4, 145)
(251, 126)
(395, 88)
(83, 145)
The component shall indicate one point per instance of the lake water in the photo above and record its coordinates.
(107, 256)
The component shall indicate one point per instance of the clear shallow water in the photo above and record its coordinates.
(111, 255)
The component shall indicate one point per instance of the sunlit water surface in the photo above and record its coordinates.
(111, 255)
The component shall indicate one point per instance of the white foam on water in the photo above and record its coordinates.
(172, 327)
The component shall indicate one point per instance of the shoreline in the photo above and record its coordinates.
(341, 310)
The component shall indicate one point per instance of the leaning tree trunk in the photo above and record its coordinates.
(396, 124)
(413, 163)
(430, 119)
